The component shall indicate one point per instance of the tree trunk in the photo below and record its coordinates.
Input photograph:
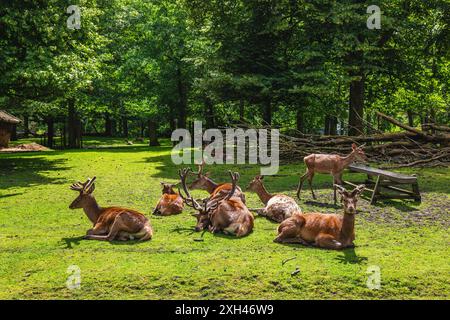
(333, 125)
(209, 113)
(300, 120)
(50, 132)
(241, 110)
(410, 118)
(356, 108)
(108, 125)
(152, 133)
(182, 100)
(125, 127)
(14, 132)
(326, 130)
(74, 126)
(267, 112)
(26, 125)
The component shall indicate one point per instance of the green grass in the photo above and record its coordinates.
(40, 237)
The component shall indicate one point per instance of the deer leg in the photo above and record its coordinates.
(300, 184)
(115, 229)
(98, 229)
(327, 241)
(310, 178)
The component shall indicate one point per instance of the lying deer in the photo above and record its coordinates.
(170, 201)
(330, 231)
(223, 212)
(278, 207)
(111, 223)
(329, 163)
(203, 182)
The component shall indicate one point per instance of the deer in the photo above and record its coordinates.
(329, 231)
(203, 182)
(222, 213)
(329, 163)
(112, 223)
(278, 207)
(170, 201)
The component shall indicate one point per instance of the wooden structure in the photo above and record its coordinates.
(7, 127)
(378, 179)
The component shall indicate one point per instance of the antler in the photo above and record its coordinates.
(189, 200)
(234, 179)
(80, 186)
(213, 206)
(200, 167)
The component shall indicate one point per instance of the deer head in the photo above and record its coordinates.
(209, 205)
(167, 188)
(85, 189)
(256, 183)
(202, 180)
(359, 152)
(350, 198)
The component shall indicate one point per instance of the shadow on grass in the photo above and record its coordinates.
(10, 195)
(350, 257)
(69, 242)
(323, 205)
(26, 171)
(401, 205)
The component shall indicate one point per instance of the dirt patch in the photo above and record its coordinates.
(25, 147)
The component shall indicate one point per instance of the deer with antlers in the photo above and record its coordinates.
(170, 201)
(113, 223)
(222, 213)
(278, 207)
(203, 182)
(329, 231)
(329, 163)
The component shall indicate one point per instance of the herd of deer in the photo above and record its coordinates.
(225, 209)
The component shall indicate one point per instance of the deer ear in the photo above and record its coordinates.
(354, 146)
(162, 183)
(196, 215)
(207, 174)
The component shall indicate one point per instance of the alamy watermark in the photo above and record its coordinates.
(239, 146)
(73, 281)
(374, 278)
(374, 20)
(74, 20)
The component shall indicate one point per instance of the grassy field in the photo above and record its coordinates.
(40, 237)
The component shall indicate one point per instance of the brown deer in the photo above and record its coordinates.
(278, 207)
(329, 163)
(222, 213)
(203, 182)
(330, 231)
(111, 223)
(170, 201)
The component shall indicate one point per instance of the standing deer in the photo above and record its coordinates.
(170, 201)
(223, 212)
(203, 182)
(329, 163)
(111, 223)
(330, 231)
(278, 207)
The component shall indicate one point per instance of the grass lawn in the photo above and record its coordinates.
(40, 237)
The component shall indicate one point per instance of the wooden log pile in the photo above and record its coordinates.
(410, 147)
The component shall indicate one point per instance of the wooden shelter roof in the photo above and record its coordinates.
(6, 117)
